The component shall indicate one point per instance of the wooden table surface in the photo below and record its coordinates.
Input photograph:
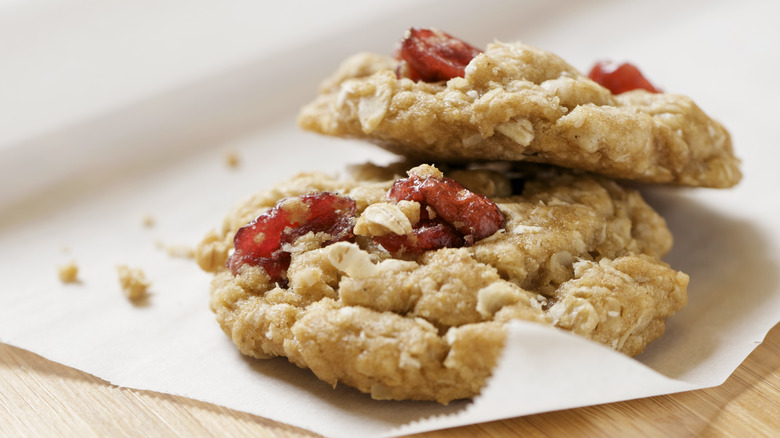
(40, 398)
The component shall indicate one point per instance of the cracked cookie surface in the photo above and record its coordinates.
(520, 103)
(575, 251)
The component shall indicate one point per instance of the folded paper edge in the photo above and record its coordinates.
(589, 364)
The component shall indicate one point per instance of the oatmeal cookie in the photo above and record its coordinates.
(517, 102)
(425, 319)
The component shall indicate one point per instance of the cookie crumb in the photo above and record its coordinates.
(148, 221)
(232, 159)
(181, 251)
(133, 282)
(68, 272)
(212, 253)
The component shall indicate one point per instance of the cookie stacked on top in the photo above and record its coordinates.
(400, 280)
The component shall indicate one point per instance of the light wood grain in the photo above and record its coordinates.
(42, 398)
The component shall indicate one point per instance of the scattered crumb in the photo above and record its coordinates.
(68, 272)
(212, 253)
(232, 159)
(148, 221)
(133, 282)
(182, 251)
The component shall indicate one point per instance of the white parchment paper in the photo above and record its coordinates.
(81, 193)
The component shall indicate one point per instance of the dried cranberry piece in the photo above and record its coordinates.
(619, 78)
(472, 214)
(431, 55)
(459, 216)
(427, 235)
(262, 241)
(425, 238)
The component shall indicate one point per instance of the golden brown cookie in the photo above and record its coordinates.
(519, 103)
(422, 322)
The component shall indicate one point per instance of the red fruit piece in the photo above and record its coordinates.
(459, 216)
(262, 241)
(431, 55)
(472, 214)
(427, 235)
(619, 78)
